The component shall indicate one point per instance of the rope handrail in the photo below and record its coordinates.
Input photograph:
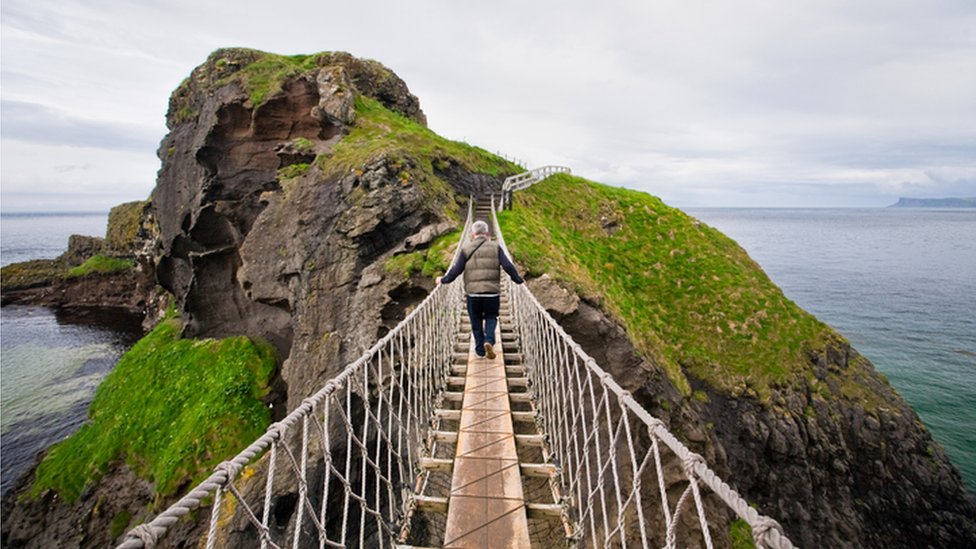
(415, 355)
(525, 180)
(345, 468)
(557, 367)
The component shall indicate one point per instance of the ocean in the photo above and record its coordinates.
(50, 363)
(899, 284)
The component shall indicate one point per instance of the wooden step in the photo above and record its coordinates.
(452, 396)
(528, 440)
(455, 380)
(518, 382)
(440, 465)
(521, 397)
(431, 504)
(450, 437)
(537, 469)
(524, 416)
(515, 370)
(551, 511)
(450, 415)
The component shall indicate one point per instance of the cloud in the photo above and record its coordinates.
(36, 123)
(755, 103)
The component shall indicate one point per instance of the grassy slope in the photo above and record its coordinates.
(415, 152)
(172, 409)
(688, 296)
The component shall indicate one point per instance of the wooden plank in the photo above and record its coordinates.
(487, 505)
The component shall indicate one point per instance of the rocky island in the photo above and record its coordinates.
(302, 209)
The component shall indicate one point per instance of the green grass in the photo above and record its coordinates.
(100, 264)
(171, 409)
(382, 132)
(430, 262)
(690, 298)
(303, 145)
(119, 524)
(413, 151)
(265, 76)
(740, 535)
(293, 170)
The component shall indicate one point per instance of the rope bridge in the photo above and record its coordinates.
(360, 462)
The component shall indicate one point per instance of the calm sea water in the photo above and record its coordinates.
(899, 284)
(27, 236)
(50, 363)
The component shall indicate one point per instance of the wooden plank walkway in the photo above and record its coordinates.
(487, 506)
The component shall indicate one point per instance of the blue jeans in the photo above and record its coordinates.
(483, 312)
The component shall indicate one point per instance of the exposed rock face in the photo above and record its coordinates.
(48, 522)
(220, 171)
(833, 473)
(254, 234)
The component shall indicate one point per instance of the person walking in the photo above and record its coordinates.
(480, 260)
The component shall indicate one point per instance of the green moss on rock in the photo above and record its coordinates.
(100, 264)
(171, 409)
(740, 535)
(124, 222)
(31, 274)
(430, 262)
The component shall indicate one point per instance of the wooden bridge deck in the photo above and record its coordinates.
(487, 507)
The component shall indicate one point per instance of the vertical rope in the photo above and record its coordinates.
(327, 471)
(587, 436)
(214, 518)
(302, 485)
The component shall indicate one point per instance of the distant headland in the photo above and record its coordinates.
(935, 203)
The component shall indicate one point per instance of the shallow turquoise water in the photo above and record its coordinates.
(899, 284)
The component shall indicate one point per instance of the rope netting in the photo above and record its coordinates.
(625, 479)
(342, 469)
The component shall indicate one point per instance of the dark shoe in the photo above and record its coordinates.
(490, 351)
(479, 355)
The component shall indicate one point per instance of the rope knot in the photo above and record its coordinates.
(230, 469)
(311, 403)
(692, 460)
(762, 529)
(655, 424)
(277, 431)
(145, 534)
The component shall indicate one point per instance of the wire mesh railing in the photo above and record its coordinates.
(626, 480)
(342, 469)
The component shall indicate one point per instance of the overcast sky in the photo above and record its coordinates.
(744, 103)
